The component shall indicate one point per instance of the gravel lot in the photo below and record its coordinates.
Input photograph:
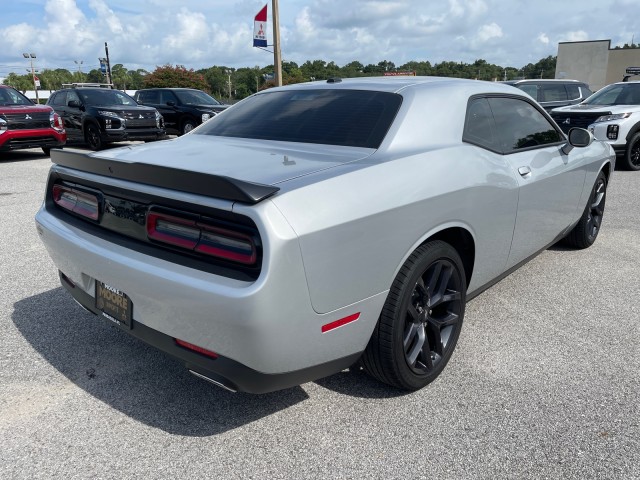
(544, 382)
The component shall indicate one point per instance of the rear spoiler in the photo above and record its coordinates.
(188, 181)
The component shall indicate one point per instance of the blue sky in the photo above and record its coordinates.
(196, 34)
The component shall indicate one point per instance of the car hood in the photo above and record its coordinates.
(24, 109)
(257, 161)
(215, 108)
(596, 108)
(124, 108)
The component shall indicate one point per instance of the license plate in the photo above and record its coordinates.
(114, 304)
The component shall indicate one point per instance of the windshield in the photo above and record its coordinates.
(9, 96)
(616, 94)
(355, 118)
(106, 97)
(195, 97)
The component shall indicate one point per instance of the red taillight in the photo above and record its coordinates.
(82, 203)
(201, 237)
(196, 348)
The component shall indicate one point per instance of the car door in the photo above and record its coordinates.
(70, 115)
(551, 182)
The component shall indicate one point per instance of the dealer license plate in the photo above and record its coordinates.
(114, 304)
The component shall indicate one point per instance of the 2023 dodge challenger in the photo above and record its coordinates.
(314, 226)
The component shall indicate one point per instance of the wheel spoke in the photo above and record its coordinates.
(416, 340)
(413, 313)
(450, 318)
(425, 356)
(436, 335)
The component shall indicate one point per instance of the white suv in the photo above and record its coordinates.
(613, 115)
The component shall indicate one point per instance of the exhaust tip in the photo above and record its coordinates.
(215, 382)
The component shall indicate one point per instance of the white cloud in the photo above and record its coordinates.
(543, 38)
(577, 36)
(489, 32)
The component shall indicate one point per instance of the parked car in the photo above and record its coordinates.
(612, 114)
(97, 116)
(26, 125)
(317, 225)
(183, 109)
(552, 93)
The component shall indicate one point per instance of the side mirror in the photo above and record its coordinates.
(578, 137)
(171, 103)
(73, 103)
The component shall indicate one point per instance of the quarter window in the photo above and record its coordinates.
(479, 127)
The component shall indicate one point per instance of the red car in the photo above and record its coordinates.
(25, 125)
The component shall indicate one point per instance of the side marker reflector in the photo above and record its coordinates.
(341, 322)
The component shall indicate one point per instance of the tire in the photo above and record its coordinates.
(46, 151)
(421, 319)
(92, 137)
(586, 231)
(632, 155)
(187, 126)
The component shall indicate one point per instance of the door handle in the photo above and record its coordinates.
(524, 171)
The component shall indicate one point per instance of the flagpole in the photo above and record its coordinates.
(277, 56)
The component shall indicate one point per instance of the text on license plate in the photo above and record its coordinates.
(114, 304)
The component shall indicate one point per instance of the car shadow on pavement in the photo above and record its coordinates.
(132, 377)
(355, 383)
(21, 155)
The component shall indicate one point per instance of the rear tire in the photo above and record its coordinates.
(584, 234)
(46, 151)
(421, 320)
(632, 155)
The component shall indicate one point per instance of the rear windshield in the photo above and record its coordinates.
(355, 118)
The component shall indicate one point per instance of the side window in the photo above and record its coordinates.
(167, 96)
(71, 95)
(151, 97)
(573, 92)
(552, 93)
(530, 89)
(59, 98)
(520, 125)
(479, 127)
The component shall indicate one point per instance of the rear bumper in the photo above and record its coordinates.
(221, 371)
(265, 332)
(19, 139)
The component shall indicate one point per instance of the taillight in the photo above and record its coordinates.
(82, 203)
(201, 237)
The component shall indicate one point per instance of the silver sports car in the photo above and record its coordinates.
(321, 225)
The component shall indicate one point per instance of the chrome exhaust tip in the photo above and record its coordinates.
(215, 382)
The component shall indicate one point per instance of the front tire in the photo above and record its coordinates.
(92, 137)
(585, 232)
(46, 151)
(421, 320)
(632, 155)
(187, 126)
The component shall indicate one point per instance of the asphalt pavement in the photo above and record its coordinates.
(544, 382)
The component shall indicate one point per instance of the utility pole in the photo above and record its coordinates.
(106, 51)
(277, 56)
(31, 56)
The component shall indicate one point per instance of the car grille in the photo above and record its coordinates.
(568, 120)
(19, 121)
(138, 115)
(141, 123)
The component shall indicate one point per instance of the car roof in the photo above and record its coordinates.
(398, 83)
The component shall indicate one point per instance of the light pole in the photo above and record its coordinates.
(79, 63)
(31, 56)
(228, 72)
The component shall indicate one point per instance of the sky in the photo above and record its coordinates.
(201, 33)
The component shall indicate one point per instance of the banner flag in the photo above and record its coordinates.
(260, 28)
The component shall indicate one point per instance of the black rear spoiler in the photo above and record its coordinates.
(167, 177)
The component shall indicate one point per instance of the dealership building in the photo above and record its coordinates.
(595, 62)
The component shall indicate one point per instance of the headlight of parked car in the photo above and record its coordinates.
(207, 116)
(106, 113)
(616, 116)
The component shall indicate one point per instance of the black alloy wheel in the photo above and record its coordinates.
(586, 231)
(421, 320)
(632, 156)
(92, 137)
